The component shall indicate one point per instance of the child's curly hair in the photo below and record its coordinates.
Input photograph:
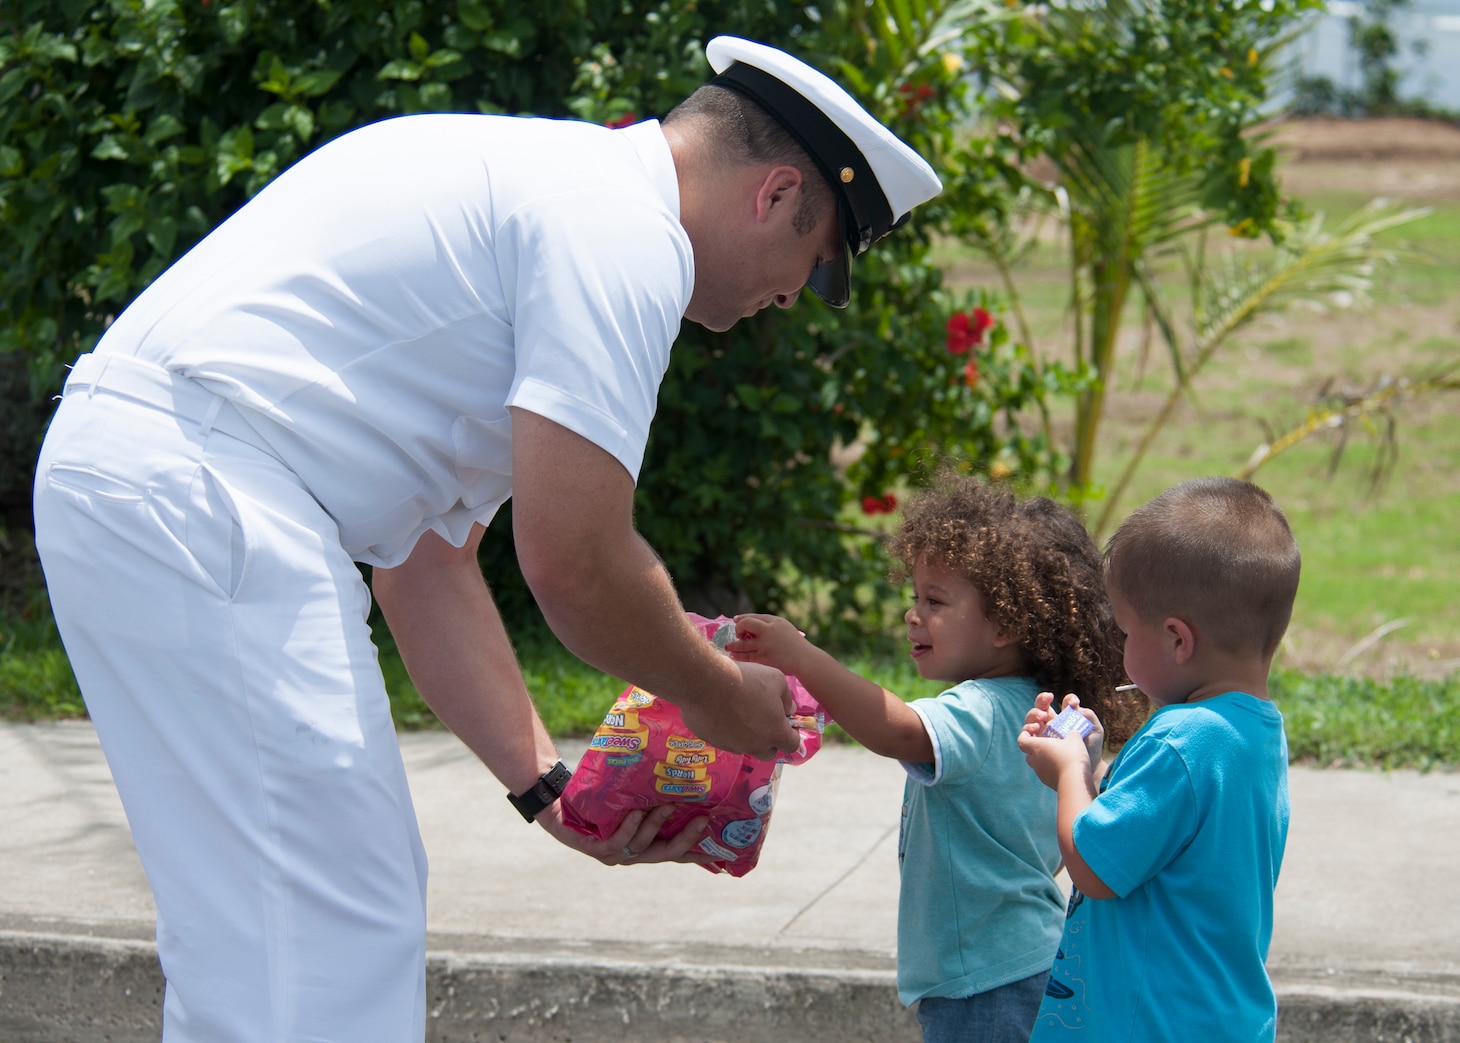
(1040, 576)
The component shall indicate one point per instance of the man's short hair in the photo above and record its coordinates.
(1216, 552)
(744, 134)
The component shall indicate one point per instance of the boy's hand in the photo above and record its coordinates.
(1037, 719)
(768, 639)
(1095, 741)
(1051, 758)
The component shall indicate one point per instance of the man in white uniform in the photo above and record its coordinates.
(422, 318)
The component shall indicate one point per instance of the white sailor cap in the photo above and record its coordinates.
(877, 177)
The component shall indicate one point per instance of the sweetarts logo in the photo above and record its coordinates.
(616, 743)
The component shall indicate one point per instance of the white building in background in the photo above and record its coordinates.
(1431, 72)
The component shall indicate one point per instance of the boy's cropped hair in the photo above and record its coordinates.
(1216, 552)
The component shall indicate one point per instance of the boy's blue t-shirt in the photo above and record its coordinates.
(1188, 831)
(978, 906)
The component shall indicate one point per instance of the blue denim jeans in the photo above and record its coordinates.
(1002, 1015)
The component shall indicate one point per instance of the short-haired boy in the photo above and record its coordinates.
(1175, 855)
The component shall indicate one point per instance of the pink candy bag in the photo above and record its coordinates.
(643, 755)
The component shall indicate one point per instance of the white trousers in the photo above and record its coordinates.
(218, 632)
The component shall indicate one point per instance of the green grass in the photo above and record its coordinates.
(1332, 721)
(1354, 722)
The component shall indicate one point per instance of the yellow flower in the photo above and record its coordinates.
(952, 62)
(998, 470)
(1252, 56)
(1244, 171)
(1242, 227)
(1227, 73)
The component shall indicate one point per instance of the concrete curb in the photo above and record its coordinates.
(69, 989)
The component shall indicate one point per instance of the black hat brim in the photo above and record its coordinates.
(832, 280)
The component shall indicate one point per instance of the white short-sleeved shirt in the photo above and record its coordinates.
(377, 308)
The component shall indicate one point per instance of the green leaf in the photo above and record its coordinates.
(12, 82)
(233, 22)
(503, 42)
(300, 120)
(162, 236)
(109, 148)
(163, 126)
(399, 70)
(475, 15)
(315, 83)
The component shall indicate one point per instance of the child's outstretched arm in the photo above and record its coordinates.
(869, 713)
(1064, 766)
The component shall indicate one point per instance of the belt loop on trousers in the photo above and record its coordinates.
(209, 415)
(156, 386)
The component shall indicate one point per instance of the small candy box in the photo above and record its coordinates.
(1069, 722)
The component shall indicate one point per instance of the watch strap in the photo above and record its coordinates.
(548, 788)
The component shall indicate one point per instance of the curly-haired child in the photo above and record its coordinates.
(1007, 602)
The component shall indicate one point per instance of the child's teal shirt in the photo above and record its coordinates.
(979, 906)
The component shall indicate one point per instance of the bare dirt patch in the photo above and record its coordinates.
(1411, 159)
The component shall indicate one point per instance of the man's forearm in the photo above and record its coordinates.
(619, 612)
(453, 643)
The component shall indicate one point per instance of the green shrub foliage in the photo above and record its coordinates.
(129, 129)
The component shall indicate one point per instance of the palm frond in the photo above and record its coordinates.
(1313, 267)
(1371, 412)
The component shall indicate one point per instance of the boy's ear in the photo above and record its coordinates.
(1180, 639)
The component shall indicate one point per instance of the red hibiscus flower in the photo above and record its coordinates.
(970, 374)
(960, 336)
(912, 96)
(628, 119)
(884, 504)
(966, 329)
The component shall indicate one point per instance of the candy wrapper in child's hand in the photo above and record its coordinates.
(1069, 722)
(642, 755)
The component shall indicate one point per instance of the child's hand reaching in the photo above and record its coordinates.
(770, 640)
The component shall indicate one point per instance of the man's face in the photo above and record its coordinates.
(768, 264)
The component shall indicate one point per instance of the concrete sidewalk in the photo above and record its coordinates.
(530, 942)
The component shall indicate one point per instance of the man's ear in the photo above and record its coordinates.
(1180, 639)
(780, 185)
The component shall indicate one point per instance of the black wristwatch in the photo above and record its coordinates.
(548, 788)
